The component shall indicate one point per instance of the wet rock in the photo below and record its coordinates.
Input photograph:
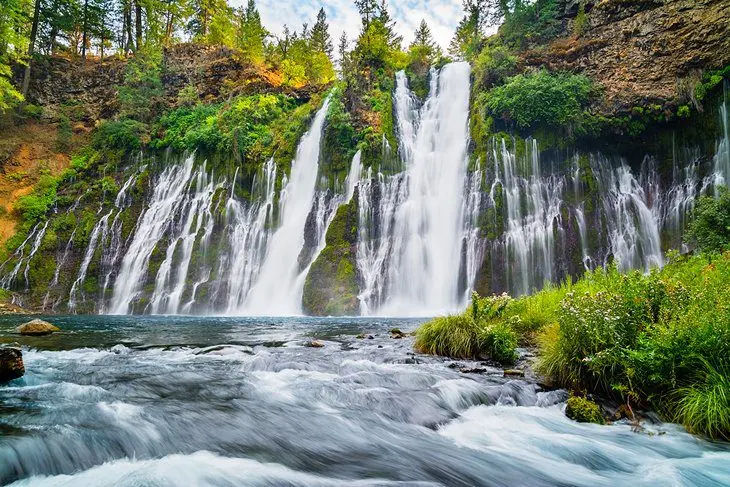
(472, 370)
(36, 328)
(363, 336)
(314, 344)
(11, 364)
(514, 373)
(454, 365)
(397, 334)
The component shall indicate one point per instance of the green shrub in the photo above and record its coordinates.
(499, 342)
(126, 134)
(35, 206)
(583, 410)
(64, 134)
(553, 99)
(580, 24)
(709, 229)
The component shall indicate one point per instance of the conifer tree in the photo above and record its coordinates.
(320, 37)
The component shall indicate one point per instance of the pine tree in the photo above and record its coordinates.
(368, 9)
(423, 38)
(252, 34)
(321, 40)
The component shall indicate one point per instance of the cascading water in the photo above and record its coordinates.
(411, 224)
(633, 218)
(279, 287)
(722, 153)
(152, 225)
(532, 204)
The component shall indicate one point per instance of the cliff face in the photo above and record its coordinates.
(642, 52)
(88, 91)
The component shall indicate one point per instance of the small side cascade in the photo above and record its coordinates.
(532, 204)
(152, 225)
(196, 221)
(722, 152)
(632, 217)
(474, 244)
(99, 229)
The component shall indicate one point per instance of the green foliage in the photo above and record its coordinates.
(140, 94)
(709, 229)
(35, 206)
(126, 135)
(710, 81)
(499, 341)
(553, 99)
(580, 24)
(583, 410)
(531, 23)
(704, 406)
(64, 134)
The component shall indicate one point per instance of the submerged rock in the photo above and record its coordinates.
(11, 364)
(36, 328)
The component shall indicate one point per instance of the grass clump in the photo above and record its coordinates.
(452, 336)
(704, 407)
(583, 410)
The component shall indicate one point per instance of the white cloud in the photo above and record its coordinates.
(442, 16)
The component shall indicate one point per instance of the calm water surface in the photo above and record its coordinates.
(142, 401)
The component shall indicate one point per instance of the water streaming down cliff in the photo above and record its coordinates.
(411, 223)
(278, 289)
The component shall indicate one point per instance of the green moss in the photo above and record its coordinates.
(331, 286)
(583, 410)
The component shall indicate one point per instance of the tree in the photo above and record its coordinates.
(320, 36)
(31, 47)
(252, 34)
(423, 40)
(367, 9)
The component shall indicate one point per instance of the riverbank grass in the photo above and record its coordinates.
(657, 341)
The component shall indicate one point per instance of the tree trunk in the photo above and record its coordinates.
(83, 37)
(128, 15)
(31, 46)
(138, 23)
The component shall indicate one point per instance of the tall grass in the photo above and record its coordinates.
(704, 407)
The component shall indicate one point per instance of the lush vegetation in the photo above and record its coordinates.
(660, 340)
(528, 100)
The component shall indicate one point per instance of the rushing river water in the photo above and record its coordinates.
(158, 401)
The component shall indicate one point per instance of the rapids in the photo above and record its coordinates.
(130, 401)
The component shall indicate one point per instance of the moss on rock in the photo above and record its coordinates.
(331, 286)
(583, 410)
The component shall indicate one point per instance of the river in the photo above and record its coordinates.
(158, 401)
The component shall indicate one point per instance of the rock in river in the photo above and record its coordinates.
(11, 364)
(36, 328)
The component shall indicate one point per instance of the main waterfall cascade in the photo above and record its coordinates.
(412, 224)
(433, 223)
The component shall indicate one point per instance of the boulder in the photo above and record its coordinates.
(36, 328)
(314, 344)
(11, 364)
(397, 334)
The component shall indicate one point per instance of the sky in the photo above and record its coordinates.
(442, 16)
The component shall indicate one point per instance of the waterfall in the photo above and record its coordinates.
(423, 268)
(151, 226)
(279, 287)
(632, 217)
(195, 208)
(473, 242)
(722, 153)
(99, 229)
(353, 177)
(532, 205)
(248, 235)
